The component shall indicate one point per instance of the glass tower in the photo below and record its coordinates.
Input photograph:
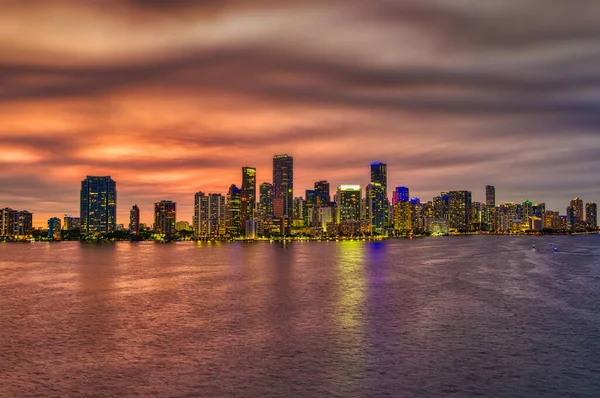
(98, 205)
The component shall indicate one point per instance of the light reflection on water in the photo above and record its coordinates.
(431, 317)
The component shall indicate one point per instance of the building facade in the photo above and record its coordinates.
(165, 217)
(98, 205)
(283, 185)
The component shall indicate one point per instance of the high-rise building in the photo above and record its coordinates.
(165, 217)
(539, 209)
(348, 203)
(460, 210)
(578, 216)
(441, 206)
(404, 217)
(70, 223)
(401, 194)
(265, 204)
(134, 220)
(298, 208)
(591, 215)
(233, 208)
(283, 185)
(7, 222)
(527, 209)
(379, 175)
(98, 205)
(247, 197)
(376, 206)
(310, 206)
(490, 195)
(54, 228)
(323, 197)
(23, 223)
(209, 214)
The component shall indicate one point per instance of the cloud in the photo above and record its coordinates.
(171, 97)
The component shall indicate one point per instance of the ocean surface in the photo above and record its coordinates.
(437, 317)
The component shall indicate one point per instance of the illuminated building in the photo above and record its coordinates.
(379, 175)
(376, 205)
(310, 206)
(23, 223)
(490, 195)
(247, 197)
(165, 217)
(298, 211)
(323, 198)
(591, 215)
(441, 206)
(325, 217)
(535, 223)
(70, 223)
(417, 216)
(233, 208)
(460, 210)
(265, 204)
(54, 228)
(539, 210)
(527, 209)
(436, 226)
(477, 216)
(577, 218)
(401, 194)
(98, 205)
(404, 217)
(183, 226)
(348, 206)
(7, 222)
(551, 220)
(428, 210)
(134, 220)
(283, 185)
(209, 214)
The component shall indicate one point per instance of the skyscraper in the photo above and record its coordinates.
(578, 216)
(348, 203)
(70, 222)
(233, 210)
(460, 210)
(23, 223)
(165, 217)
(7, 222)
(323, 197)
(98, 205)
(379, 175)
(54, 228)
(134, 220)
(265, 204)
(209, 214)
(527, 208)
(283, 185)
(376, 206)
(490, 195)
(247, 197)
(591, 215)
(401, 194)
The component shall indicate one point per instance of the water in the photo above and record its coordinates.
(438, 317)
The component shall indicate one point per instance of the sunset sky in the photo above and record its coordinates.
(174, 97)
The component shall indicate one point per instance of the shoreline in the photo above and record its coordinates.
(294, 239)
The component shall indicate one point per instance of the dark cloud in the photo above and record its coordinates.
(449, 94)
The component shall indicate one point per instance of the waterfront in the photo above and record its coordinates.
(448, 316)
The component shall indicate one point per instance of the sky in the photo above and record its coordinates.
(174, 97)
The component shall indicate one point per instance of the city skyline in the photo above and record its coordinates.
(452, 95)
(248, 177)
